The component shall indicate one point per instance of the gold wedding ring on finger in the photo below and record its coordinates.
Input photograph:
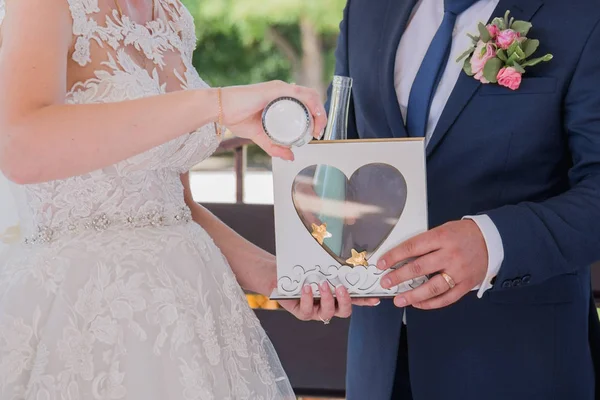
(448, 280)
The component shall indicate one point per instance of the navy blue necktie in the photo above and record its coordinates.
(431, 69)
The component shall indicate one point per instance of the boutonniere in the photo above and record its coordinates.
(501, 52)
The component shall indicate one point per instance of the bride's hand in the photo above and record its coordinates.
(243, 107)
(307, 309)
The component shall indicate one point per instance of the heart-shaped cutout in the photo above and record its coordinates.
(350, 218)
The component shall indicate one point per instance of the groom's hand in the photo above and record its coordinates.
(456, 249)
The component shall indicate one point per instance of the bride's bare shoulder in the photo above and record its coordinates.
(36, 37)
(34, 9)
(33, 15)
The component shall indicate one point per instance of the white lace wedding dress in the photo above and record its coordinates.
(114, 292)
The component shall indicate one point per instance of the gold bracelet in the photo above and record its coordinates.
(220, 116)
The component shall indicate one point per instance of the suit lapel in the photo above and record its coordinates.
(466, 86)
(397, 15)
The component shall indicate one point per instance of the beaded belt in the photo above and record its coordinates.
(100, 223)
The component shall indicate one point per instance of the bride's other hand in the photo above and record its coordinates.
(306, 309)
(243, 107)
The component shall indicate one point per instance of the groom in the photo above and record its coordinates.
(514, 202)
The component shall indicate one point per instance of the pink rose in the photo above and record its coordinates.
(506, 37)
(509, 77)
(493, 30)
(483, 52)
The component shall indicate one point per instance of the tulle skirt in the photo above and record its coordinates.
(142, 314)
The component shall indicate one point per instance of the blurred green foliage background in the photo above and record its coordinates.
(248, 41)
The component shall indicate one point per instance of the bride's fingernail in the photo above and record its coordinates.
(307, 289)
(386, 283)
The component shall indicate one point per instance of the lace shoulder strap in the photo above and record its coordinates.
(84, 28)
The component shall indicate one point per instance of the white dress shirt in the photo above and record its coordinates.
(426, 18)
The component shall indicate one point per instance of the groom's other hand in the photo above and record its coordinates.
(454, 255)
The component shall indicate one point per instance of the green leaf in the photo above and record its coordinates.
(499, 22)
(512, 49)
(535, 61)
(515, 52)
(522, 27)
(491, 69)
(484, 35)
(466, 53)
(501, 54)
(475, 39)
(506, 24)
(510, 23)
(467, 67)
(512, 60)
(519, 52)
(529, 46)
(518, 68)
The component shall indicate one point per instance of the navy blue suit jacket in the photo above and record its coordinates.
(530, 159)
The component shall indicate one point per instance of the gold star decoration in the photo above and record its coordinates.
(358, 259)
(320, 233)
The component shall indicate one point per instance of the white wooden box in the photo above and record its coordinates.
(360, 198)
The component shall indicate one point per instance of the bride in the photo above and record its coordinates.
(122, 287)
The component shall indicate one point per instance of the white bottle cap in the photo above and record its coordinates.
(288, 122)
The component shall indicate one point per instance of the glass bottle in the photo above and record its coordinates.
(339, 104)
(330, 183)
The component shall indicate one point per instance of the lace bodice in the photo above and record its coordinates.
(116, 59)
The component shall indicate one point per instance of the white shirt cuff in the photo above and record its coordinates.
(495, 250)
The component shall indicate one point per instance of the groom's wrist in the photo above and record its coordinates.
(495, 250)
